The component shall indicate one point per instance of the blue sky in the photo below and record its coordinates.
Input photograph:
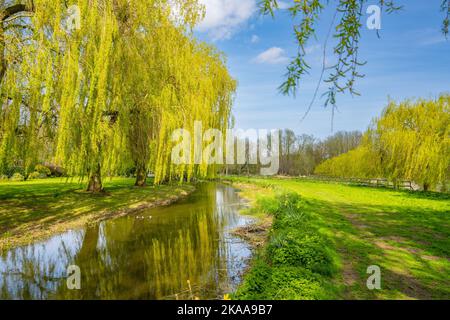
(412, 59)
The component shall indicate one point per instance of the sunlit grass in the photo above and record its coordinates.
(405, 233)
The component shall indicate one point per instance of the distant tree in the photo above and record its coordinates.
(301, 154)
(288, 140)
(341, 142)
(410, 141)
(414, 141)
(306, 155)
(358, 163)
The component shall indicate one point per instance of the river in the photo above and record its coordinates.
(183, 251)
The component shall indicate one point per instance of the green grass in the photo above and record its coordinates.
(33, 209)
(406, 234)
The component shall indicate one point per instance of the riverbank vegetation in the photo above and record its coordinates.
(46, 207)
(297, 262)
(326, 235)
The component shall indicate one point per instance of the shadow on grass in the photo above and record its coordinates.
(29, 204)
(410, 244)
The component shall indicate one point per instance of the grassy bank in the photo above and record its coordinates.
(36, 209)
(298, 260)
(326, 235)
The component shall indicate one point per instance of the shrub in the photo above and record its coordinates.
(3, 177)
(36, 175)
(43, 170)
(301, 250)
(290, 283)
(15, 169)
(17, 177)
(256, 283)
(264, 282)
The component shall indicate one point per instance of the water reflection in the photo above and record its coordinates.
(151, 255)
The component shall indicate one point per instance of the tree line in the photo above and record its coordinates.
(300, 154)
(106, 95)
(410, 141)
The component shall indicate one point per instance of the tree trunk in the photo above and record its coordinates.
(95, 181)
(141, 176)
(426, 187)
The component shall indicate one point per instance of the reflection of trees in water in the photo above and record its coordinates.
(135, 258)
(190, 256)
(35, 271)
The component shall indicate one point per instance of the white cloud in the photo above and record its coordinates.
(225, 17)
(273, 55)
(283, 5)
(312, 49)
(255, 39)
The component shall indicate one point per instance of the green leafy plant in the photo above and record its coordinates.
(43, 170)
(17, 177)
(298, 258)
(36, 175)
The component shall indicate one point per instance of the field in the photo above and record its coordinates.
(34, 209)
(406, 234)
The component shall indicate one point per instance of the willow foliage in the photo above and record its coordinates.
(346, 26)
(108, 94)
(410, 141)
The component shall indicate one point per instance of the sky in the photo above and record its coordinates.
(410, 59)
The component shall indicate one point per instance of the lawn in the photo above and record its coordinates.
(35, 209)
(406, 234)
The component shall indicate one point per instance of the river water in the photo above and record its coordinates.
(183, 251)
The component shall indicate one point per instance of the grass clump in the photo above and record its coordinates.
(297, 262)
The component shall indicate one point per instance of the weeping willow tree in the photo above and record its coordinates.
(410, 141)
(180, 81)
(196, 94)
(109, 92)
(56, 80)
(27, 116)
(361, 162)
(414, 141)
